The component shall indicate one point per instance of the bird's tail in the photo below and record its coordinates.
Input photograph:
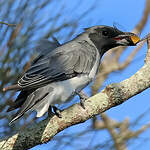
(27, 100)
(18, 103)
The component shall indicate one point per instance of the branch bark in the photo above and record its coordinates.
(111, 96)
(147, 59)
(8, 24)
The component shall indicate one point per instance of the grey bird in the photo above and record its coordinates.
(61, 71)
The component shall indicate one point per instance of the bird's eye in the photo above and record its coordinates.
(105, 33)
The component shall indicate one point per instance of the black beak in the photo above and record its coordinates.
(127, 39)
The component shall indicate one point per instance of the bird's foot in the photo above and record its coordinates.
(53, 110)
(83, 98)
(57, 111)
(50, 112)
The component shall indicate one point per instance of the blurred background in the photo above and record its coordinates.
(35, 20)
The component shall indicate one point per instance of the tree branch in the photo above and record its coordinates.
(118, 142)
(111, 96)
(8, 24)
(147, 59)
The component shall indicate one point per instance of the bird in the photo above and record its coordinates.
(61, 71)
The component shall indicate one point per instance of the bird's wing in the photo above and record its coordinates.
(63, 63)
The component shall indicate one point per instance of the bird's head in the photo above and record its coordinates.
(105, 37)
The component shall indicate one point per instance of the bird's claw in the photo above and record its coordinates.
(50, 113)
(82, 103)
(57, 111)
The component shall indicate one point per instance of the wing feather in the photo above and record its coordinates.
(63, 63)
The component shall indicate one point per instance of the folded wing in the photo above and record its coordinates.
(63, 63)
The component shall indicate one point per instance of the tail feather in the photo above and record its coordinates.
(28, 103)
(17, 116)
(21, 111)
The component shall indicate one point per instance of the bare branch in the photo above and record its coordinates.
(99, 124)
(131, 134)
(118, 142)
(12, 87)
(8, 24)
(111, 96)
(144, 18)
(147, 59)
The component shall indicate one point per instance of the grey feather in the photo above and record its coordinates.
(31, 100)
(45, 45)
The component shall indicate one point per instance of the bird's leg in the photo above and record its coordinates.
(57, 111)
(50, 112)
(83, 97)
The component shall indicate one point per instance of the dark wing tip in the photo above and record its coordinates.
(10, 109)
(17, 116)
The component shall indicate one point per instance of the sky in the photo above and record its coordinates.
(126, 14)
